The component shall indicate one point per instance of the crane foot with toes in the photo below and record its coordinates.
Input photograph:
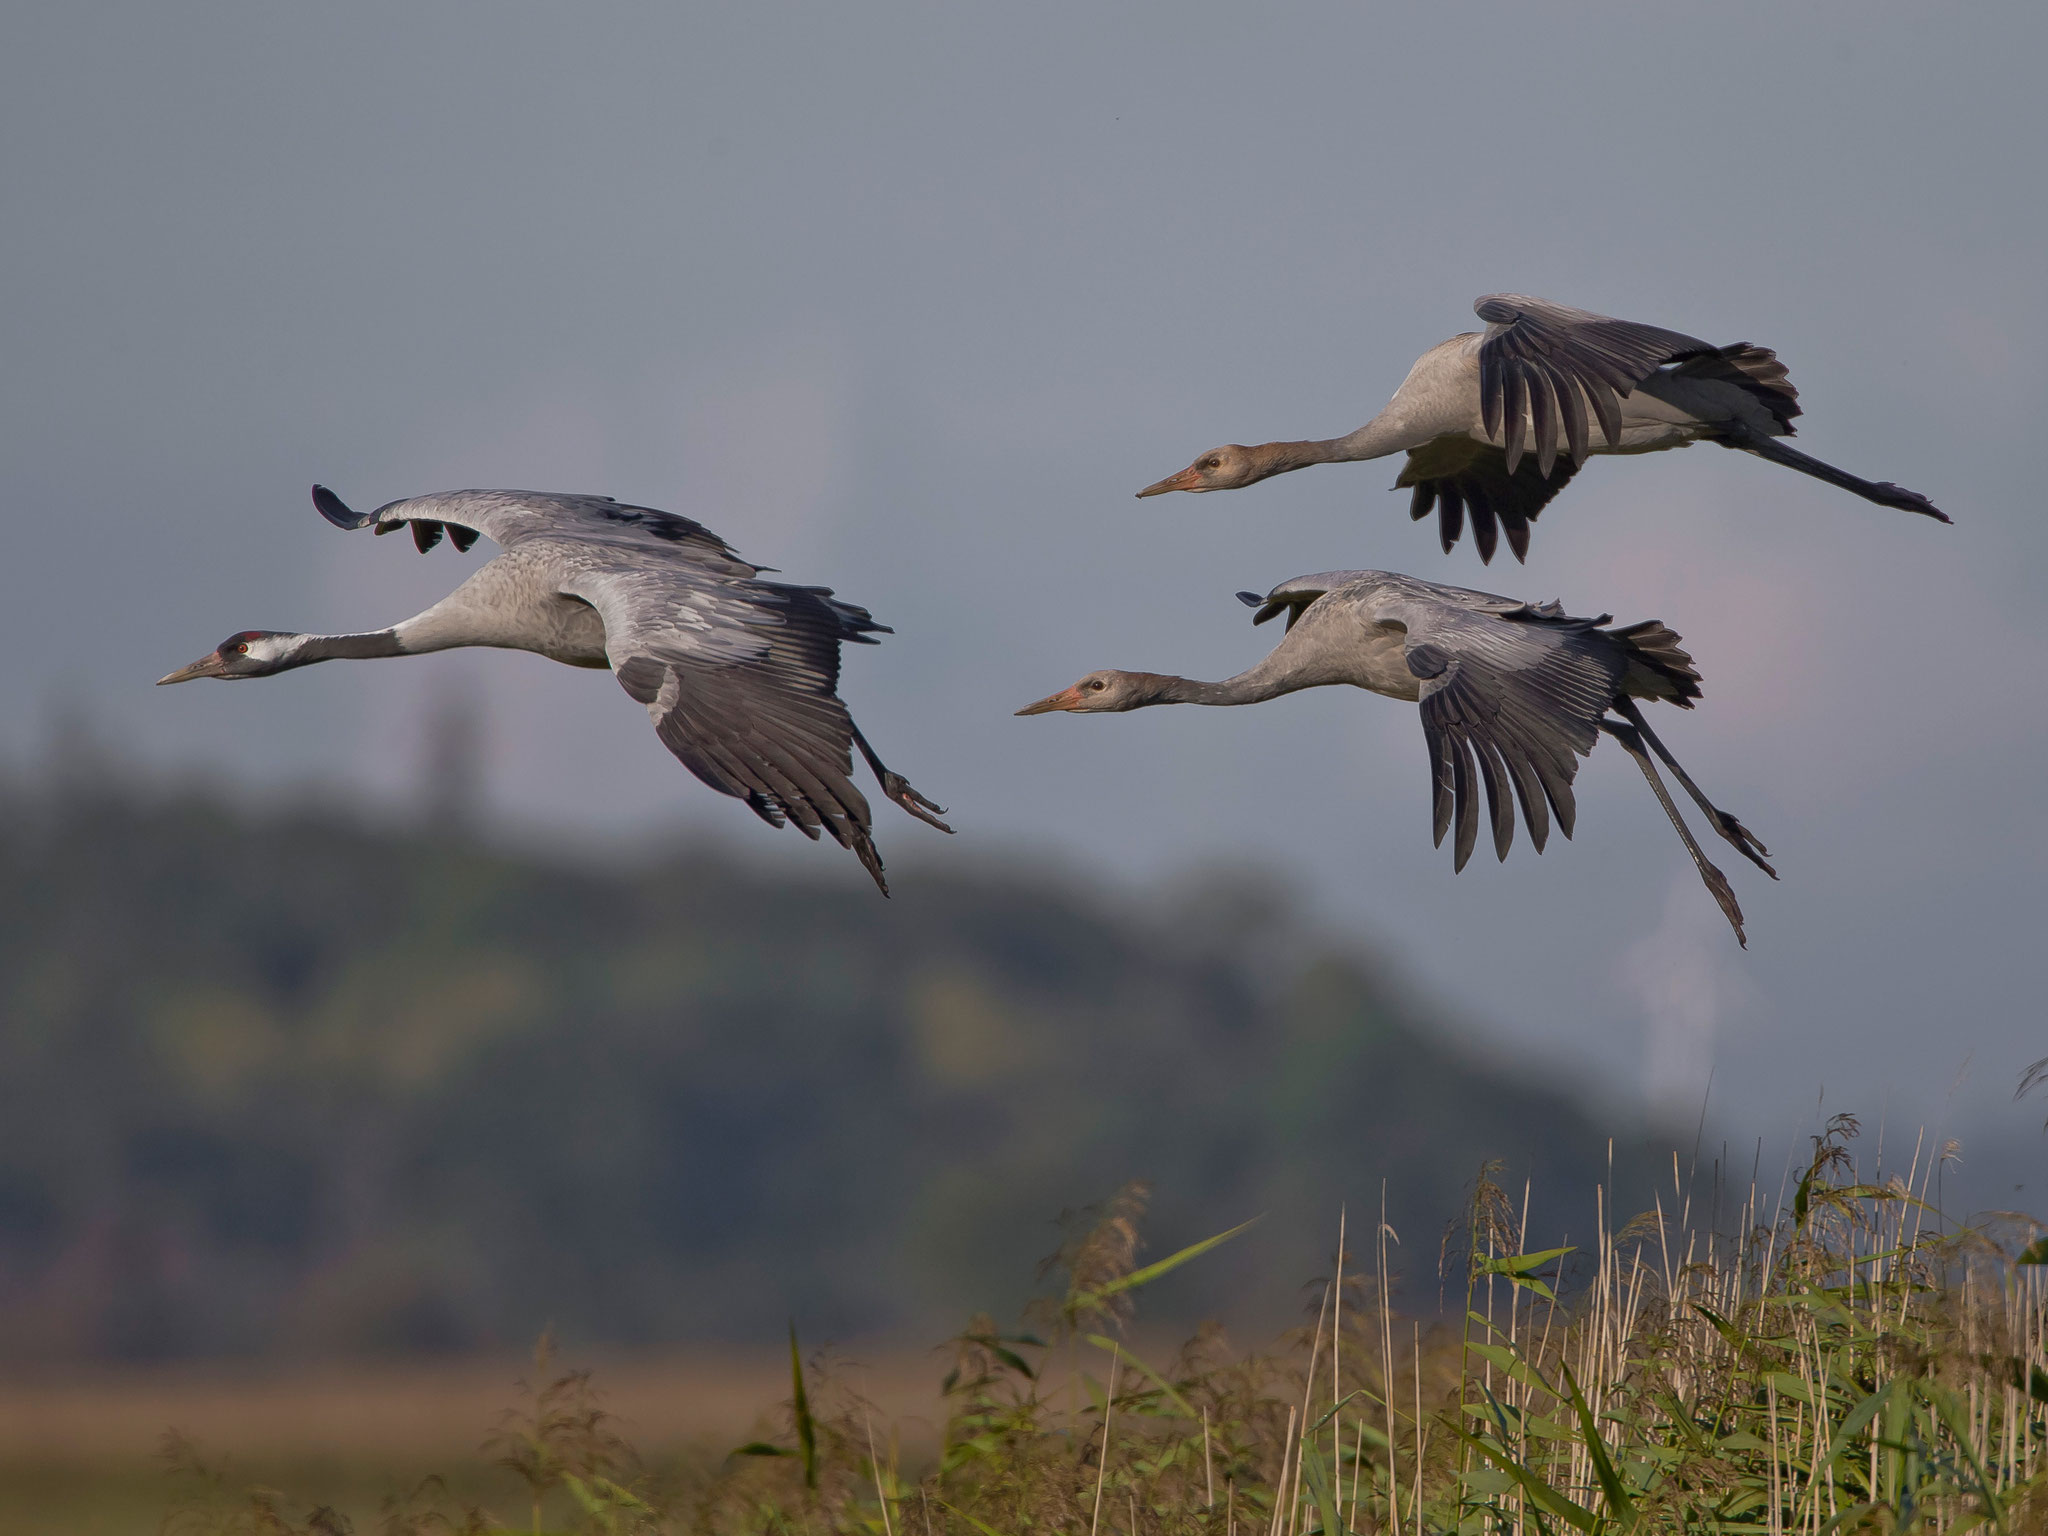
(897, 788)
(1745, 842)
(1909, 501)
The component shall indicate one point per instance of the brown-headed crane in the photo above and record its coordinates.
(1495, 422)
(1523, 689)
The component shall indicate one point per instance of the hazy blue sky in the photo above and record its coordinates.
(909, 300)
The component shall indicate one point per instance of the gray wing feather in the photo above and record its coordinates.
(1385, 592)
(513, 517)
(1293, 596)
(1553, 361)
(741, 685)
(740, 677)
(1512, 691)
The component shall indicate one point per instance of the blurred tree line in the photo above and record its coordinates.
(288, 1082)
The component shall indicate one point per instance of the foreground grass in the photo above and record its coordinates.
(1837, 1362)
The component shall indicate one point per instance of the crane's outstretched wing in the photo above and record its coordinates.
(1547, 362)
(1457, 474)
(739, 676)
(1375, 590)
(1293, 597)
(1522, 689)
(510, 517)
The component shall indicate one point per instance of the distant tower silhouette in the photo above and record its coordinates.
(452, 759)
(77, 760)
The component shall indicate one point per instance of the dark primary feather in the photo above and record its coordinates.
(775, 738)
(1293, 597)
(1554, 361)
(337, 511)
(1457, 474)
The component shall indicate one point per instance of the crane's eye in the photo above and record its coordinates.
(1212, 464)
(243, 647)
(1097, 686)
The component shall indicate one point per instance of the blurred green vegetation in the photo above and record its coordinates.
(290, 1083)
(1842, 1361)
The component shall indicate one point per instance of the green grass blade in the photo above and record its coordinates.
(1122, 1352)
(800, 1410)
(1341, 1404)
(1315, 1471)
(1172, 1261)
(1540, 1493)
(1520, 1267)
(1514, 1367)
(1854, 1420)
(1953, 1415)
(1611, 1485)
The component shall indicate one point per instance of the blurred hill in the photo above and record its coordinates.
(289, 1083)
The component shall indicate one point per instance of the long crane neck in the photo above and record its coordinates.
(1268, 680)
(304, 650)
(1375, 440)
(448, 625)
(499, 613)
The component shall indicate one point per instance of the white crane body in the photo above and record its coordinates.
(513, 602)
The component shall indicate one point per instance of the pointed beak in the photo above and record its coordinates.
(1186, 480)
(208, 665)
(1066, 698)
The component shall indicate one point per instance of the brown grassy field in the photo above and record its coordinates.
(81, 1449)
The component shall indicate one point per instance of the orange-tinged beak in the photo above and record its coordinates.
(208, 665)
(1186, 480)
(1066, 698)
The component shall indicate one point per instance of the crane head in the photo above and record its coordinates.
(1220, 469)
(247, 653)
(1099, 693)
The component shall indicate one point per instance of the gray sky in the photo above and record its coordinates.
(909, 300)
